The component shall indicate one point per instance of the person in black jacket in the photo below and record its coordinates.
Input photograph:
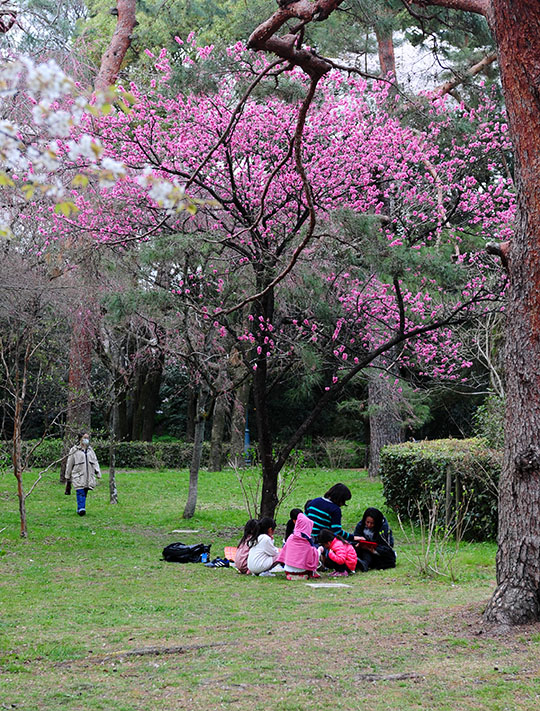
(372, 529)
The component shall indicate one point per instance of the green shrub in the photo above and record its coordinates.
(49, 451)
(415, 474)
(335, 453)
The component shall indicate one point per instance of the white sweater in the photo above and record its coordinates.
(262, 555)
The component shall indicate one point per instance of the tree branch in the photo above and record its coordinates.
(481, 7)
(264, 37)
(449, 86)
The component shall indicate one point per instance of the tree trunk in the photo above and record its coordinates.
(200, 423)
(122, 428)
(111, 61)
(385, 44)
(238, 425)
(150, 394)
(269, 498)
(191, 415)
(385, 423)
(79, 408)
(218, 429)
(113, 492)
(18, 464)
(516, 600)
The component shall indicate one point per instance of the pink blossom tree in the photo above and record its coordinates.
(269, 178)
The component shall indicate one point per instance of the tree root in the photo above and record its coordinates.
(387, 677)
(143, 652)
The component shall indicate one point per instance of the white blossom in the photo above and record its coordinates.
(59, 123)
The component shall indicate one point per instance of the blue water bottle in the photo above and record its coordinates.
(204, 558)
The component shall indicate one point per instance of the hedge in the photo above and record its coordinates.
(336, 453)
(415, 474)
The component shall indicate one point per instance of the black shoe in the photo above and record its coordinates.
(82, 512)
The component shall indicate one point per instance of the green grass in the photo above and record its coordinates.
(82, 594)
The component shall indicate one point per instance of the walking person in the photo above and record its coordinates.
(82, 471)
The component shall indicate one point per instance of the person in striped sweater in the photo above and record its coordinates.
(325, 512)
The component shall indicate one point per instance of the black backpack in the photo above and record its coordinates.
(180, 553)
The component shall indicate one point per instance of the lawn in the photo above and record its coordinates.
(91, 618)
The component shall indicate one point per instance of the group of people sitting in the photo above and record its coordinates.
(314, 541)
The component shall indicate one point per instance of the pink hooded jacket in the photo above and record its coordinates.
(298, 551)
(343, 553)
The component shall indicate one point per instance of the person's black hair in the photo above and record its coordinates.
(325, 536)
(289, 528)
(262, 527)
(338, 494)
(249, 529)
(377, 517)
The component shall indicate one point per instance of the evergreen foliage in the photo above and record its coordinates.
(416, 476)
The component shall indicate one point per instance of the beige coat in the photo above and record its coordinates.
(82, 468)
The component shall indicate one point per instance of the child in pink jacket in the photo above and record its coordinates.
(337, 554)
(299, 555)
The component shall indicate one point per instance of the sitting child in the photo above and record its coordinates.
(240, 559)
(289, 528)
(336, 553)
(262, 556)
(299, 554)
(373, 528)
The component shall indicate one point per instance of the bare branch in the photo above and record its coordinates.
(307, 189)
(449, 86)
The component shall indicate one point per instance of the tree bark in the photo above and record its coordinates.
(113, 492)
(78, 416)
(238, 424)
(269, 498)
(385, 424)
(191, 415)
(385, 45)
(215, 463)
(145, 397)
(111, 62)
(200, 423)
(516, 600)
(17, 455)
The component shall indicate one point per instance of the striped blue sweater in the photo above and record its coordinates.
(325, 514)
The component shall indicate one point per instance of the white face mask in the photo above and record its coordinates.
(86, 442)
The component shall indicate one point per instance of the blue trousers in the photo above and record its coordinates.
(81, 499)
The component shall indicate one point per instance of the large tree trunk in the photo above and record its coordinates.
(112, 59)
(385, 46)
(79, 401)
(238, 424)
(516, 24)
(385, 423)
(145, 398)
(269, 498)
(215, 463)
